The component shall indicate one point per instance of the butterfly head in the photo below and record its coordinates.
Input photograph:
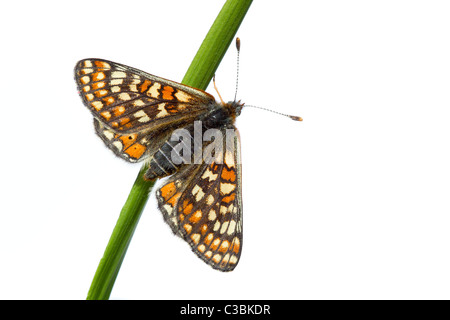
(234, 108)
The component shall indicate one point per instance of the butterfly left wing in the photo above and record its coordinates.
(134, 111)
(126, 99)
(203, 205)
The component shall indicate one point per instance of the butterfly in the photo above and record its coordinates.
(135, 114)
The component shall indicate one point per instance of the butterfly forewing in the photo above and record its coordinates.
(135, 111)
(126, 99)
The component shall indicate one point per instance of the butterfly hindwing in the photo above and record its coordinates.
(132, 147)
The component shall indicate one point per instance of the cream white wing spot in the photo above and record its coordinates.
(98, 76)
(139, 103)
(210, 200)
(115, 82)
(162, 111)
(168, 208)
(85, 79)
(108, 134)
(224, 227)
(197, 191)
(182, 96)
(118, 145)
(217, 257)
(195, 238)
(208, 174)
(229, 159)
(212, 215)
(232, 227)
(153, 91)
(97, 105)
(118, 74)
(227, 188)
(124, 96)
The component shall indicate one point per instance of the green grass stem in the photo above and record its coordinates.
(199, 75)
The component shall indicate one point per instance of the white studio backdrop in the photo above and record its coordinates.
(352, 203)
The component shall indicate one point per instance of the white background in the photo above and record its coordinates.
(352, 203)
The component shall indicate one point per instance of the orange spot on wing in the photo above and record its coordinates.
(128, 140)
(229, 198)
(167, 93)
(101, 64)
(187, 207)
(136, 150)
(235, 245)
(124, 121)
(101, 93)
(224, 246)
(168, 190)
(174, 199)
(171, 108)
(196, 216)
(229, 175)
(98, 76)
(108, 100)
(188, 228)
(144, 86)
(215, 244)
(98, 85)
(209, 238)
(118, 110)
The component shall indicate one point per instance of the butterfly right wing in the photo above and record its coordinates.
(202, 203)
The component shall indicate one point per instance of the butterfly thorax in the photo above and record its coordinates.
(222, 114)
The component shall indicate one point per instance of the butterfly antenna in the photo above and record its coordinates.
(215, 87)
(238, 47)
(282, 114)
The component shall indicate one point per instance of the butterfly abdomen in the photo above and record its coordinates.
(161, 164)
(177, 150)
